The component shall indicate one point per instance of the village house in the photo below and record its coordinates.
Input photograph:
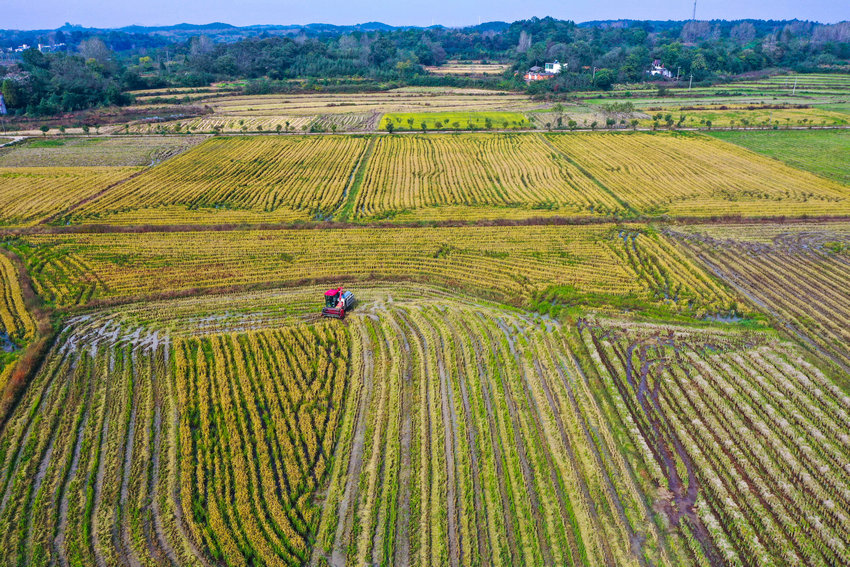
(658, 70)
(541, 74)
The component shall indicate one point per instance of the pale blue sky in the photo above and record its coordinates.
(42, 14)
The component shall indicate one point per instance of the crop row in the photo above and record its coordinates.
(692, 175)
(801, 279)
(472, 439)
(142, 451)
(572, 174)
(260, 173)
(474, 169)
(744, 439)
(510, 262)
(30, 194)
(15, 320)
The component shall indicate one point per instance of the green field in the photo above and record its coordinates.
(455, 120)
(822, 152)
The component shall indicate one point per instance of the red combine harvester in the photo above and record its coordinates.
(337, 302)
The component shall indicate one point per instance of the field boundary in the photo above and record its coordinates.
(11, 232)
(349, 194)
(99, 194)
(587, 174)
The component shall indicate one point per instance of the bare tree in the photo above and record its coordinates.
(95, 49)
(524, 42)
(743, 33)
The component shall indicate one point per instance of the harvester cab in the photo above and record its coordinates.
(337, 302)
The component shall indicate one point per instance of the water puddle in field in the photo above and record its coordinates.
(6, 344)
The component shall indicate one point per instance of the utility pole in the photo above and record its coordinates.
(794, 92)
(594, 74)
(679, 68)
(694, 18)
(691, 82)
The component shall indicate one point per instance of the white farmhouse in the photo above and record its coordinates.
(553, 68)
(658, 70)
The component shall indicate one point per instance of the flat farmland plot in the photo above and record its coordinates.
(241, 427)
(508, 262)
(800, 277)
(429, 429)
(823, 152)
(455, 120)
(83, 152)
(260, 174)
(29, 195)
(693, 175)
(415, 435)
(745, 438)
(474, 170)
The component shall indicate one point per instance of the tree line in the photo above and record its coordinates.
(596, 55)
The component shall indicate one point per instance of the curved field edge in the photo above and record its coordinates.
(426, 429)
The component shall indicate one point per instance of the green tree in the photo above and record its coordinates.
(604, 79)
(389, 126)
(44, 130)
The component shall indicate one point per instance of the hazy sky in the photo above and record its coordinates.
(48, 14)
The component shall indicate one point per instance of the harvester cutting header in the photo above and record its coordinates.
(337, 302)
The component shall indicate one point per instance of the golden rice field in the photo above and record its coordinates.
(187, 451)
(431, 429)
(467, 69)
(15, 320)
(261, 174)
(508, 262)
(693, 175)
(800, 277)
(17, 326)
(637, 385)
(29, 195)
(464, 177)
(423, 171)
(110, 151)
